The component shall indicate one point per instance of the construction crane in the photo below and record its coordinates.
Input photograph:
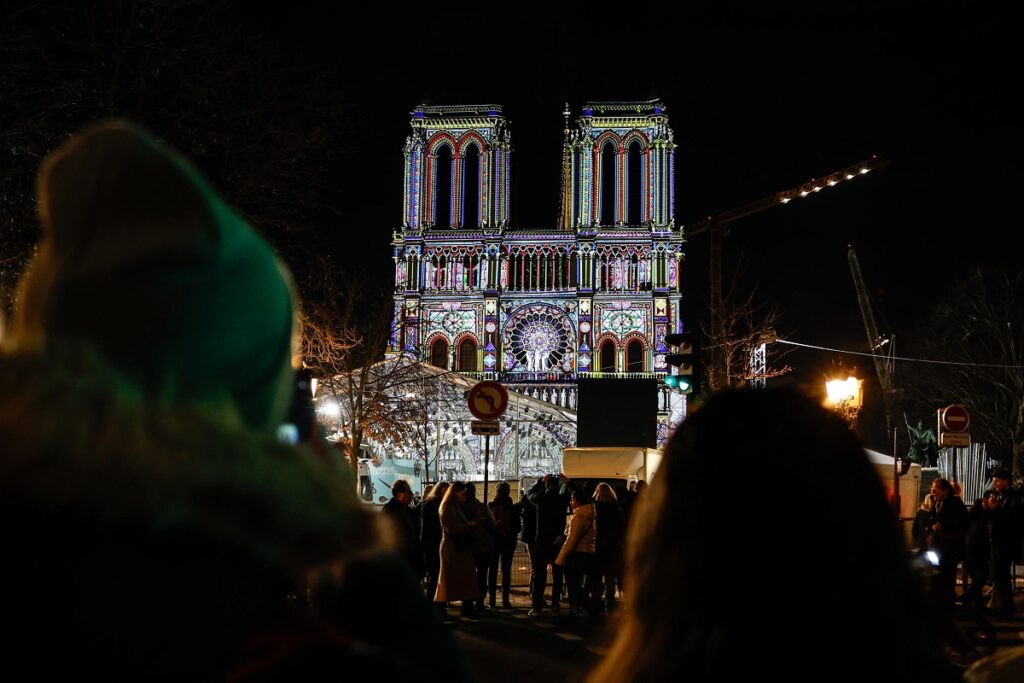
(883, 365)
(884, 368)
(716, 224)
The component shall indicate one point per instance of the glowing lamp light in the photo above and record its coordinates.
(844, 391)
(786, 200)
(849, 176)
(831, 183)
(863, 171)
(330, 409)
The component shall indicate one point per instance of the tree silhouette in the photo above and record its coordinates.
(260, 126)
(980, 326)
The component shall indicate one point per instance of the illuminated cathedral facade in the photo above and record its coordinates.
(539, 307)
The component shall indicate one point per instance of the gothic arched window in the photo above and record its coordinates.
(467, 356)
(443, 188)
(608, 183)
(439, 354)
(634, 182)
(635, 356)
(607, 356)
(577, 188)
(471, 187)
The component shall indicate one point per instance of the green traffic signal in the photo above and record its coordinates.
(678, 382)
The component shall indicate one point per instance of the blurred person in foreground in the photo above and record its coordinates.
(154, 526)
(704, 573)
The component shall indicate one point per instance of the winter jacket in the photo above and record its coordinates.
(610, 537)
(506, 521)
(145, 541)
(552, 507)
(580, 533)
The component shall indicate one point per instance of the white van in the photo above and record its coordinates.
(617, 465)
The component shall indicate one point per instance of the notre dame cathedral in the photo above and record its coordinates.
(539, 307)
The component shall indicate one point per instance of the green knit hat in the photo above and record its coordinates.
(144, 263)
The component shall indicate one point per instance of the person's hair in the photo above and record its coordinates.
(943, 484)
(579, 495)
(553, 482)
(502, 491)
(400, 486)
(928, 503)
(470, 489)
(449, 495)
(604, 493)
(426, 491)
(692, 612)
(438, 491)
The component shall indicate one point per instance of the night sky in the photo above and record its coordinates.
(759, 103)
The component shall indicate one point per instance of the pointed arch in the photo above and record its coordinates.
(442, 171)
(470, 171)
(606, 356)
(467, 346)
(604, 177)
(635, 185)
(635, 355)
(607, 157)
(439, 352)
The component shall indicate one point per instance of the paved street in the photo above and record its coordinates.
(507, 645)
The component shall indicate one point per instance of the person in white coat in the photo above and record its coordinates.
(579, 552)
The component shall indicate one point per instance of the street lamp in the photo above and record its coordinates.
(845, 396)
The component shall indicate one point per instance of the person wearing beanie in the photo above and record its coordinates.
(154, 526)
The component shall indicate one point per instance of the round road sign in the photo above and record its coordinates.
(955, 418)
(487, 400)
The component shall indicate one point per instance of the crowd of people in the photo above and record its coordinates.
(157, 528)
(985, 538)
(458, 546)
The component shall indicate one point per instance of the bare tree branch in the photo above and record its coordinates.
(980, 322)
(747, 325)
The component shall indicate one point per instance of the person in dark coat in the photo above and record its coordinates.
(550, 496)
(1003, 515)
(949, 533)
(430, 538)
(406, 525)
(529, 533)
(484, 547)
(979, 554)
(506, 515)
(610, 545)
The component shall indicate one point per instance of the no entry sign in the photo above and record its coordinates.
(955, 418)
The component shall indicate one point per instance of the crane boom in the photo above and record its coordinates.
(715, 224)
(875, 340)
(786, 196)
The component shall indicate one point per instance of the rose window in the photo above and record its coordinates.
(538, 337)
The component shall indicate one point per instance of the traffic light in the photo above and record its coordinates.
(686, 359)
